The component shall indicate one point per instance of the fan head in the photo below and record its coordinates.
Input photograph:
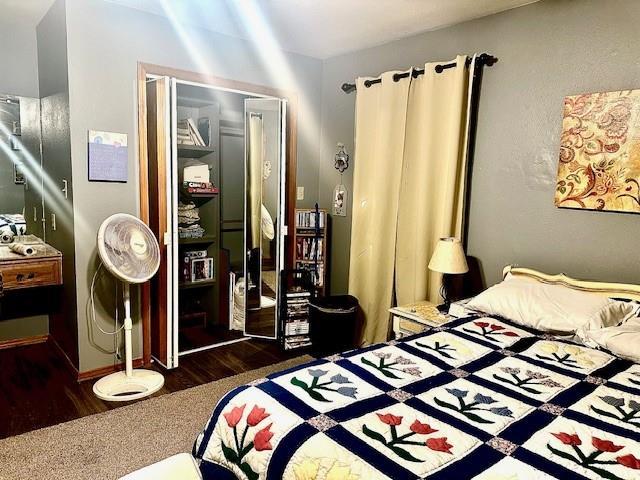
(128, 248)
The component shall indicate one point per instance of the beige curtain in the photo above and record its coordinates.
(381, 112)
(409, 178)
(433, 177)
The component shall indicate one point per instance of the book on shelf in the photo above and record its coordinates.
(310, 218)
(187, 133)
(200, 187)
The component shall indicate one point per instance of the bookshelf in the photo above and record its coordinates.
(311, 245)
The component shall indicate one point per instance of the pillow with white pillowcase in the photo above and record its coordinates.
(621, 340)
(550, 308)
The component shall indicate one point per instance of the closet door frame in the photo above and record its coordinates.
(147, 69)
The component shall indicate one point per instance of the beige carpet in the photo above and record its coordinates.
(108, 445)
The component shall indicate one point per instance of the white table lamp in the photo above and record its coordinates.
(449, 259)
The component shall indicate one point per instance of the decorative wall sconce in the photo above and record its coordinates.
(341, 158)
(340, 193)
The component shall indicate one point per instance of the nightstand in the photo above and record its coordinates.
(414, 317)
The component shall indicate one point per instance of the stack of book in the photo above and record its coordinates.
(309, 219)
(188, 133)
(296, 322)
(199, 188)
(309, 248)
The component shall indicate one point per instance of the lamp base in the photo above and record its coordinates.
(444, 307)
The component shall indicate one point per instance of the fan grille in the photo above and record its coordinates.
(128, 248)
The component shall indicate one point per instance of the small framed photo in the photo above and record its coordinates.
(202, 269)
(340, 201)
(18, 174)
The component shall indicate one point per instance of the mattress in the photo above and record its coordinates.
(478, 398)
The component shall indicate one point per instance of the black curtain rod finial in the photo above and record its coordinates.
(348, 87)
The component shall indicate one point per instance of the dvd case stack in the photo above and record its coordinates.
(296, 321)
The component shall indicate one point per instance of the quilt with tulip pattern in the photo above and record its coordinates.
(479, 398)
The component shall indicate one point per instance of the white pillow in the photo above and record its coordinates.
(622, 340)
(551, 308)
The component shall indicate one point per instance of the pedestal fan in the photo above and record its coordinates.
(130, 251)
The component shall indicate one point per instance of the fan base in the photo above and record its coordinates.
(118, 387)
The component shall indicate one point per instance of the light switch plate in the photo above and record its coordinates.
(300, 193)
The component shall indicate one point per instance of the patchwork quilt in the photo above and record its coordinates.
(479, 398)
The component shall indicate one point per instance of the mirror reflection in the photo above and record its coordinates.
(20, 167)
(263, 203)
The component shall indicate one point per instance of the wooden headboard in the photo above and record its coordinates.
(611, 290)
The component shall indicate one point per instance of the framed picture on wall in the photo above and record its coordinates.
(599, 165)
(18, 174)
(108, 156)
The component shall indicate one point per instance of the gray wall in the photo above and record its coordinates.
(18, 59)
(546, 50)
(105, 42)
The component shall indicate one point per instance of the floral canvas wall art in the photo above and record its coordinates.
(599, 167)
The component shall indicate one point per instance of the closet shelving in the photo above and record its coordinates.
(193, 151)
(199, 299)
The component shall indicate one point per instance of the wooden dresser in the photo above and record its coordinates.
(39, 270)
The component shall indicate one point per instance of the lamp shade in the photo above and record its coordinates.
(448, 257)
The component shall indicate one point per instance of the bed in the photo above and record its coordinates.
(478, 398)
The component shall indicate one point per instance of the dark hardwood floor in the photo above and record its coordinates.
(37, 390)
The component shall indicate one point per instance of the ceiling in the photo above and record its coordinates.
(318, 28)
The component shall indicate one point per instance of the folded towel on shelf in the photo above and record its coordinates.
(188, 214)
(183, 207)
(192, 231)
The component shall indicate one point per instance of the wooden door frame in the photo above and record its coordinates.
(145, 69)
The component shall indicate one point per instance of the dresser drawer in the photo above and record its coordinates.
(31, 273)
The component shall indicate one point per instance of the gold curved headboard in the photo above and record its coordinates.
(612, 290)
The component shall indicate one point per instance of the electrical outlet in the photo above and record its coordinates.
(300, 193)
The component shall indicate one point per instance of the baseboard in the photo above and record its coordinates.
(21, 342)
(102, 371)
(96, 372)
(67, 361)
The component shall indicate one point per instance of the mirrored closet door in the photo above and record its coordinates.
(216, 174)
(265, 152)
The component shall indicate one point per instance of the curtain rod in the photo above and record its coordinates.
(482, 59)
